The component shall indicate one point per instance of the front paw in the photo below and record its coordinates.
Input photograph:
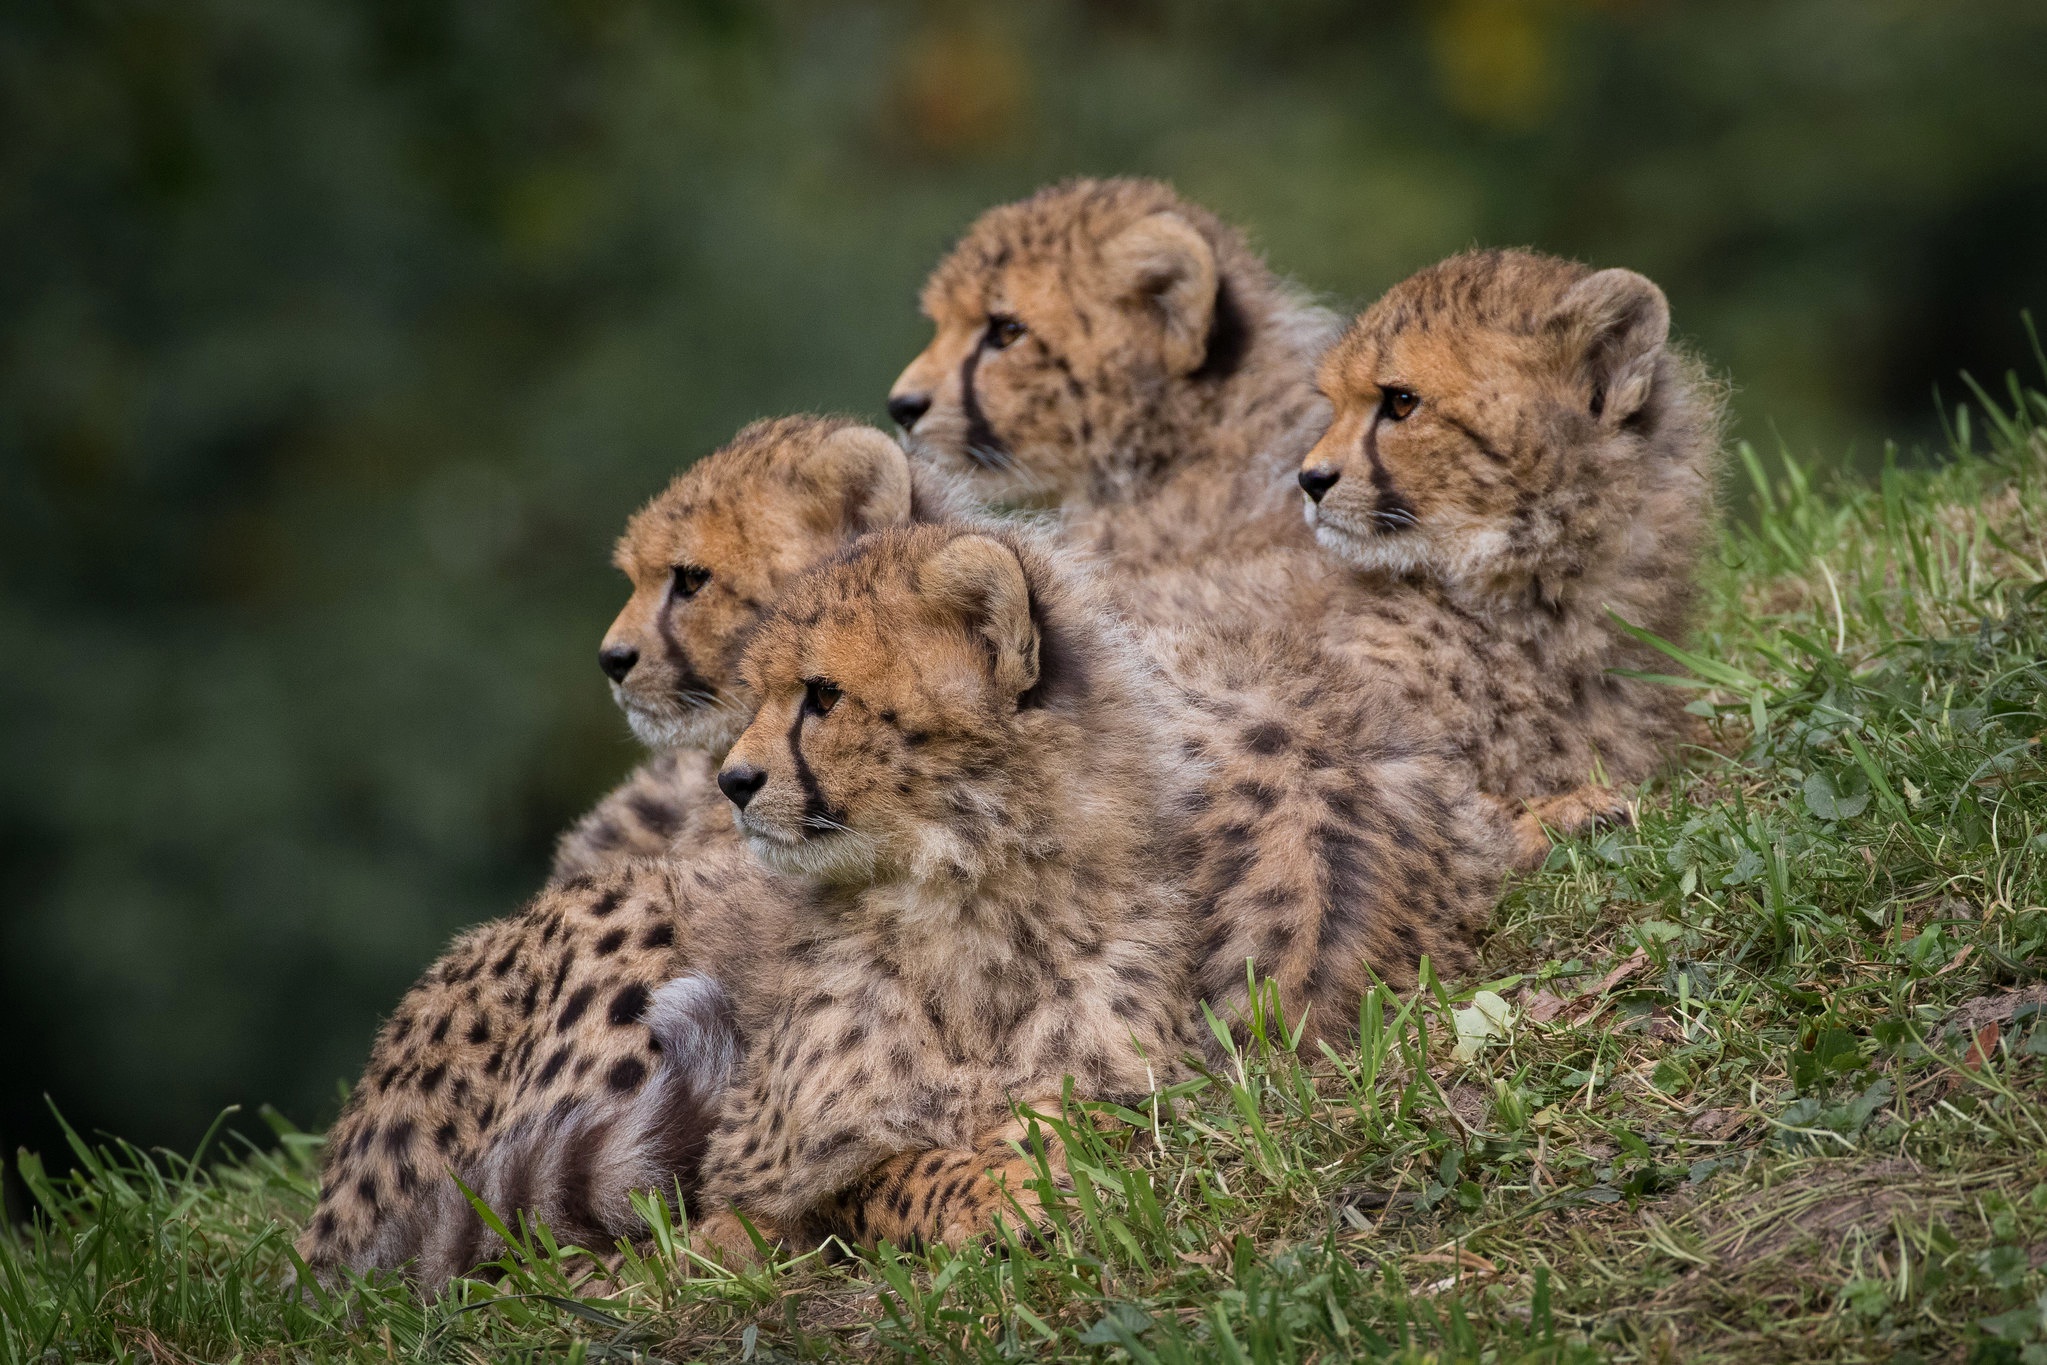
(1003, 1194)
(719, 1236)
(1572, 814)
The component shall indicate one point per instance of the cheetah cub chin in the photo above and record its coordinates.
(705, 559)
(1517, 452)
(1110, 349)
(963, 758)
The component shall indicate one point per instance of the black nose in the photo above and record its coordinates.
(906, 408)
(740, 781)
(617, 661)
(1317, 481)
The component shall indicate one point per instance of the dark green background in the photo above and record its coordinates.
(340, 338)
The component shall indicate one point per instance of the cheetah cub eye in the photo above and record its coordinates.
(819, 696)
(1397, 402)
(1004, 332)
(690, 580)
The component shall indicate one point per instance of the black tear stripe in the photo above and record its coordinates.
(984, 447)
(817, 812)
(1390, 512)
(689, 680)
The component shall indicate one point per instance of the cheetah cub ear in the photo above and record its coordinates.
(860, 481)
(1617, 323)
(983, 581)
(1164, 262)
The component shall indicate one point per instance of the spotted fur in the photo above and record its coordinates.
(1518, 454)
(1335, 839)
(553, 1062)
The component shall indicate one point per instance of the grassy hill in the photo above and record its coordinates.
(1761, 1078)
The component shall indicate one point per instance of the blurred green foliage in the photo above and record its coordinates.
(340, 336)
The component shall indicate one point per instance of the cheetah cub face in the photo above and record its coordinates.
(894, 698)
(709, 555)
(1063, 324)
(1496, 417)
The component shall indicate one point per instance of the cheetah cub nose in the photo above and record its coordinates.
(1317, 481)
(906, 408)
(740, 781)
(617, 661)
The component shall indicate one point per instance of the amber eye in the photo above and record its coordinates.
(690, 580)
(819, 696)
(1397, 402)
(1004, 332)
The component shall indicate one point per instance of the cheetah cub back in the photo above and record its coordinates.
(1517, 451)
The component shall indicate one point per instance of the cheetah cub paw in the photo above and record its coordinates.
(1584, 810)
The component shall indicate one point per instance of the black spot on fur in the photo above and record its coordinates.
(573, 1010)
(658, 935)
(660, 818)
(626, 1074)
(610, 943)
(627, 1006)
(561, 975)
(1267, 737)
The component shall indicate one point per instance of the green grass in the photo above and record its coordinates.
(1761, 1078)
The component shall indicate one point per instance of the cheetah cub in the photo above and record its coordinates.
(963, 759)
(1518, 451)
(705, 558)
(1107, 348)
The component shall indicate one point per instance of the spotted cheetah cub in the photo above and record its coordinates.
(1517, 452)
(705, 558)
(966, 763)
(1110, 349)
(554, 1062)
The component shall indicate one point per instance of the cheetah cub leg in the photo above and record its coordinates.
(721, 1236)
(948, 1196)
(1581, 810)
